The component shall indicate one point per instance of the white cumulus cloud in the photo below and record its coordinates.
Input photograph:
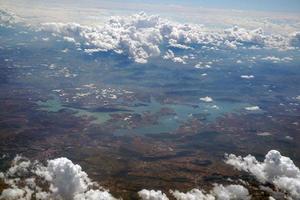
(219, 192)
(7, 18)
(143, 36)
(206, 99)
(247, 76)
(252, 108)
(170, 56)
(59, 179)
(152, 195)
(295, 39)
(275, 169)
(275, 59)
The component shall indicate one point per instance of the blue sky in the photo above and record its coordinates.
(259, 5)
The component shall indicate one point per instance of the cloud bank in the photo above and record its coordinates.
(61, 179)
(143, 36)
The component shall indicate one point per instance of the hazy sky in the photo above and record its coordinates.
(259, 5)
(213, 13)
(253, 5)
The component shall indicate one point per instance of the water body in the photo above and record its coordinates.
(206, 111)
(166, 123)
(55, 105)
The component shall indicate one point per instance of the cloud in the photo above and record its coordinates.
(170, 56)
(152, 195)
(252, 108)
(231, 192)
(206, 99)
(7, 18)
(275, 59)
(59, 179)
(69, 39)
(62, 179)
(247, 76)
(142, 36)
(11, 194)
(138, 37)
(201, 65)
(67, 179)
(94, 195)
(192, 195)
(275, 169)
(219, 192)
(295, 39)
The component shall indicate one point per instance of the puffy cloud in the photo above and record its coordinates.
(62, 179)
(275, 59)
(142, 36)
(295, 39)
(94, 195)
(272, 58)
(194, 194)
(240, 35)
(19, 166)
(230, 45)
(252, 108)
(231, 192)
(206, 99)
(152, 195)
(8, 18)
(170, 56)
(138, 36)
(275, 169)
(219, 192)
(59, 179)
(288, 137)
(247, 76)
(12, 194)
(67, 179)
(69, 39)
(201, 65)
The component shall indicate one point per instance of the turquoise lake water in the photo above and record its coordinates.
(166, 123)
